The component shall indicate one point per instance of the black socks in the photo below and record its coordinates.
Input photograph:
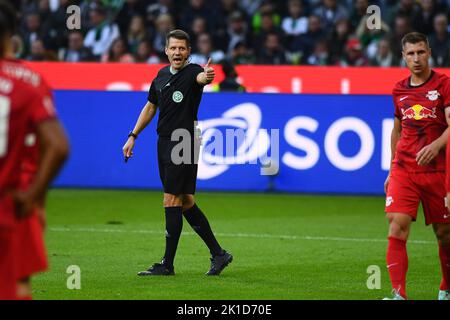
(200, 224)
(174, 225)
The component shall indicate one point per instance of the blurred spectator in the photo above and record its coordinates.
(267, 26)
(406, 8)
(296, 22)
(206, 50)
(237, 31)
(145, 53)
(32, 30)
(100, 37)
(267, 8)
(338, 39)
(358, 12)
(224, 10)
(198, 27)
(273, 52)
(230, 83)
(320, 55)
(440, 41)
(236, 27)
(304, 44)
(154, 10)
(43, 8)
(354, 55)
(241, 54)
(136, 32)
(384, 56)
(330, 12)
(76, 51)
(38, 52)
(56, 27)
(250, 6)
(196, 8)
(369, 37)
(17, 45)
(128, 11)
(164, 24)
(222, 16)
(118, 52)
(423, 22)
(401, 28)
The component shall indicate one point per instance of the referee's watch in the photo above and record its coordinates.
(132, 134)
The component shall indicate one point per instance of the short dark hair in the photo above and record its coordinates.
(8, 21)
(414, 37)
(180, 35)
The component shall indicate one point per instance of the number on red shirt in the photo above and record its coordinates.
(5, 106)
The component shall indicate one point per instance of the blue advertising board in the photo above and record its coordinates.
(251, 142)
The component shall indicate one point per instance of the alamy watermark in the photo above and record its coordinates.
(74, 280)
(73, 21)
(230, 147)
(373, 21)
(374, 280)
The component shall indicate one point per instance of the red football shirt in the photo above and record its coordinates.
(421, 110)
(25, 101)
(30, 159)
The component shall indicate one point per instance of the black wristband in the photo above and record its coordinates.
(132, 134)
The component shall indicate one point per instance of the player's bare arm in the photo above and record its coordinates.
(429, 152)
(207, 76)
(146, 116)
(54, 149)
(395, 137)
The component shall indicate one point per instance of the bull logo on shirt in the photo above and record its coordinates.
(418, 112)
(433, 95)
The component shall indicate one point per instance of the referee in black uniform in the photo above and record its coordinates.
(177, 91)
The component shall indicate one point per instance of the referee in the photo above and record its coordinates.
(177, 91)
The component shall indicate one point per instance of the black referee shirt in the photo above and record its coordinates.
(178, 97)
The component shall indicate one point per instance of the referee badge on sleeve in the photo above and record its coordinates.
(177, 96)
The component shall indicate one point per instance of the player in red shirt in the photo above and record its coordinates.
(417, 173)
(24, 104)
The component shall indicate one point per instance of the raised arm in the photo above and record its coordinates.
(146, 116)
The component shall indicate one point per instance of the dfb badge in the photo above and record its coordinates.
(177, 96)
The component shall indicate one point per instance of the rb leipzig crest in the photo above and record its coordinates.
(433, 95)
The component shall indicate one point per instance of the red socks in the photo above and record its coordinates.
(444, 257)
(397, 264)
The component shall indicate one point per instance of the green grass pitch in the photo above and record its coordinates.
(284, 247)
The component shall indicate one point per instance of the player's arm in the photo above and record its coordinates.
(429, 152)
(207, 76)
(54, 149)
(146, 116)
(395, 137)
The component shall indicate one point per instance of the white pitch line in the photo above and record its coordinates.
(234, 235)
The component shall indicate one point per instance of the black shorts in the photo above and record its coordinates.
(176, 178)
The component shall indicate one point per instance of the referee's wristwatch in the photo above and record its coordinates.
(132, 134)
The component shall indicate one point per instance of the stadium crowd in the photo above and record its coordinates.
(293, 32)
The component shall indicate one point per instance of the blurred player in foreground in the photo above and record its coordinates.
(177, 91)
(26, 107)
(417, 172)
